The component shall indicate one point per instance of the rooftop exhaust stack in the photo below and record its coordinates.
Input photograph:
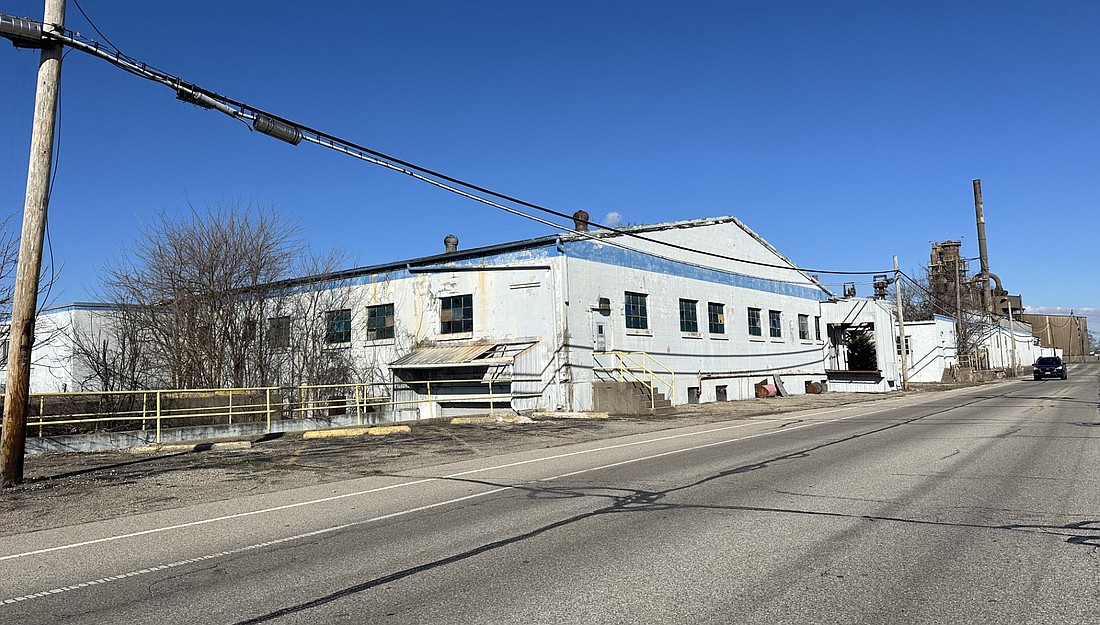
(450, 243)
(580, 221)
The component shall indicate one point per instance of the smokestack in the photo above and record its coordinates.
(983, 255)
(450, 243)
(580, 221)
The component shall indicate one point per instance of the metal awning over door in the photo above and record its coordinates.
(476, 355)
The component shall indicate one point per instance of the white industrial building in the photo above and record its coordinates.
(699, 310)
(567, 316)
(693, 311)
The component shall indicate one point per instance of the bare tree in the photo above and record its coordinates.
(917, 301)
(191, 294)
(308, 330)
(9, 254)
(920, 302)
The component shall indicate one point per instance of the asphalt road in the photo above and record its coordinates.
(970, 506)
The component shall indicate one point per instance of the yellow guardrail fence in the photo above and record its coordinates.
(89, 411)
(640, 367)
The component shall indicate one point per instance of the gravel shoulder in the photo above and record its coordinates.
(63, 489)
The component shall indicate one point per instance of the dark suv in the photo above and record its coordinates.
(1049, 367)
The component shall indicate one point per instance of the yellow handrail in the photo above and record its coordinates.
(244, 404)
(639, 366)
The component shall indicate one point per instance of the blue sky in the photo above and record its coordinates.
(842, 132)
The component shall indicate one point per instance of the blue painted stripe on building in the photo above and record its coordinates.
(493, 260)
(596, 252)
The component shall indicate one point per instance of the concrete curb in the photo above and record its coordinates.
(489, 420)
(374, 430)
(186, 449)
(569, 415)
(383, 430)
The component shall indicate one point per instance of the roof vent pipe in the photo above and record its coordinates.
(450, 242)
(580, 221)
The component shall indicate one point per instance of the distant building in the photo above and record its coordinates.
(1068, 333)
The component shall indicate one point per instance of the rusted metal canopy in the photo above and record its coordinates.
(450, 356)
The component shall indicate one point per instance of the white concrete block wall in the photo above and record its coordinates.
(54, 367)
(704, 359)
(515, 298)
(931, 349)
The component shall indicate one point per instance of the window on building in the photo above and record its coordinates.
(689, 317)
(637, 316)
(775, 324)
(380, 322)
(338, 326)
(278, 332)
(804, 327)
(817, 328)
(716, 317)
(754, 322)
(456, 314)
(908, 347)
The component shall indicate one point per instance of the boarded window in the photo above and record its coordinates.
(278, 332)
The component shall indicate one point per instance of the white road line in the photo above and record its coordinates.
(401, 513)
(311, 502)
(229, 517)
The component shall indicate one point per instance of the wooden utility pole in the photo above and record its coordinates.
(958, 310)
(901, 328)
(14, 437)
(1012, 332)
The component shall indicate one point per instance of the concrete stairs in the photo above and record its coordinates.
(630, 398)
(660, 405)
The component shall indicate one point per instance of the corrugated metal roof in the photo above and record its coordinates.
(437, 356)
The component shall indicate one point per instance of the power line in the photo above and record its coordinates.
(293, 132)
